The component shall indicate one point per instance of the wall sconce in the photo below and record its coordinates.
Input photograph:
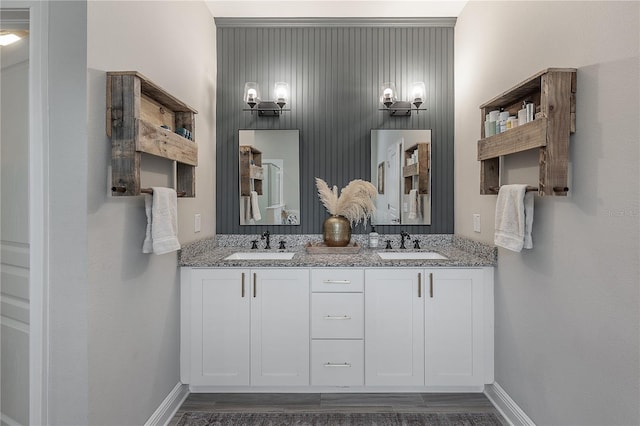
(388, 97)
(266, 108)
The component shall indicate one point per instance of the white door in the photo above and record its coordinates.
(220, 309)
(454, 327)
(14, 230)
(394, 327)
(280, 327)
(392, 181)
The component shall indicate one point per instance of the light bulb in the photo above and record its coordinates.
(387, 93)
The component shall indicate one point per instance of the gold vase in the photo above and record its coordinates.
(336, 231)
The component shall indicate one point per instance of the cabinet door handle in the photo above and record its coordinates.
(254, 284)
(337, 281)
(431, 284)
(243, 284)
(419, 284)
(337, 317)
(333, 364)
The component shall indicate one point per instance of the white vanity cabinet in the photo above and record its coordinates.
(429, 327)
(363, 329)
(245, 327)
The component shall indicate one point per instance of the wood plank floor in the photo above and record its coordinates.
(338, 402)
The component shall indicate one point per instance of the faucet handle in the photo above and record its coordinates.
(416, 244)
(388, 244)
(254, 244)
(281, 246)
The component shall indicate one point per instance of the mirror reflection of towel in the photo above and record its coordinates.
(255, 208)
(413, 204)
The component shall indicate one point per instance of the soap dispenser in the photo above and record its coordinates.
(373, 237)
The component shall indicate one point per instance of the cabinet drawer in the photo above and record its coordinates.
(337, 315)
(337, 280)
(337, 362)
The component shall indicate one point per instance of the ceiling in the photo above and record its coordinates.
(336, 8)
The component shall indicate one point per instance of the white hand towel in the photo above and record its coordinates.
(413, 203)
(514, 218)
(163, 222)
(246, 206)
(255, 208)
(147, 246)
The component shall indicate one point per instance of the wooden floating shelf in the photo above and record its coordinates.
(136, 110)
(164, 143)
(553, 90)
(522, 138)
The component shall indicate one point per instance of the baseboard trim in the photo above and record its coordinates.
(507, 406)
(165, 412)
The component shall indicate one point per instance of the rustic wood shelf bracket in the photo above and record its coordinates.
(141, 118)
(554, 90)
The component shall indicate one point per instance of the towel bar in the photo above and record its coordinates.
(533, 189)
(122, 189)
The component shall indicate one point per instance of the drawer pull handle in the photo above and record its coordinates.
(243, 284)
(332, 364)
(431, 284)
(337, 317)
(337, 281)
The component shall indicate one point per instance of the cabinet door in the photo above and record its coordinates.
(220, 303)
(454, 327)
(280, 327)
(394, 327)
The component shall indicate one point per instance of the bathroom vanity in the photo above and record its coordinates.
(337, 323)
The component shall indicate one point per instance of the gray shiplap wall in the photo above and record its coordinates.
(334, 73)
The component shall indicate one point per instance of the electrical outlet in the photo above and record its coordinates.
(197, 223)
(476, 222)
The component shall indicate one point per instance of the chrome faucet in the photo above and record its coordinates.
(267, 235)
(403, 235)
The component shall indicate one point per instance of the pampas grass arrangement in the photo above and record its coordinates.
(355, 201)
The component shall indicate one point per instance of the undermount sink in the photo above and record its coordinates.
(410, 255)
(260, 256)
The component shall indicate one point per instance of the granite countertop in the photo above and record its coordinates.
(460, 252)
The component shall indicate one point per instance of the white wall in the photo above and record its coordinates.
(567, 323)
(134, 298)
(67, 381)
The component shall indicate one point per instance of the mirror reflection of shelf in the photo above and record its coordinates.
(251, 171)
(416, 175)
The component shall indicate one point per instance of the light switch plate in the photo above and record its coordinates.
(476, 222)
(197, 223)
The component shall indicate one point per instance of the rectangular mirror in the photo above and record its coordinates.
(401, 168)
(269, 177)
